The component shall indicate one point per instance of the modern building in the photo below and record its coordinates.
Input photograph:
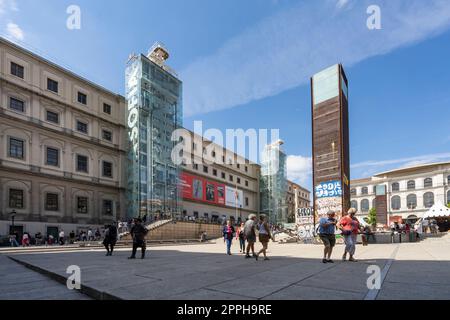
(297, 197)
(411, 191)
(225, 186)
(274, 183)
(62, 147)
(330, 140)
(154, 95)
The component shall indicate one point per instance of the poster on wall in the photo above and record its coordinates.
(233, 197)
(323, 205)
(197, 188)
(328, 189)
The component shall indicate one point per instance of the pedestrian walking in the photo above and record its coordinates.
(13, 240)
(110, 240)
(138, 232)
(350, 227)
(61, 237)
(264, 236)
(90, 235)
(228, 234)
(240, 235)
(327, 229)
(72, 237)
(250, 234)
(25, 240)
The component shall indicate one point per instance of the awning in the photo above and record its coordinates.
(437, 211)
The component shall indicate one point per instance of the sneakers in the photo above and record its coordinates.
(247, 256)
(352, 259)
(330, 261)
(324, 260)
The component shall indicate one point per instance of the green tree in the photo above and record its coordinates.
(372, 219)
(448, 205)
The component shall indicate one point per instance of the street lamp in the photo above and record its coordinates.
(13, 215)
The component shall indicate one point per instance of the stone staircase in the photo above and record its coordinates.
(149, 227)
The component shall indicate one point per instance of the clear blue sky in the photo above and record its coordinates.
(246, 64)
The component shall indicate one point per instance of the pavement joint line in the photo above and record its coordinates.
(88, 291)
(216, 290)
(373, 294)
(297, 282)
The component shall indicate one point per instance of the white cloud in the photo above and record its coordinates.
(8, 5)
(341, 3)
(405, 162)
(284, 50)
(15, 31)
(299, 168)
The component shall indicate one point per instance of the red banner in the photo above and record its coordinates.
(200, 189)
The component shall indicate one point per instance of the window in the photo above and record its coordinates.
(82, 205)
(16, 148)
(16, 198)
(51, 202)
(246, 169)
(215, 172)
(374, 189)
(205, 169)
(374, 203)
(223, 175)
(52, 158)
(246, 201)
(52, 116)
(52, 85)
(428, 199)
(411, 185)
(238, 166)
(107, 135)
(82, 98)
(16, 105)
(82, 127)
(107, 169)
(448, 197)
(17, 70)
(82, 163)
(395, 203)
(395, 186)
(213, 154)
(448, 180)
(231, 178)
(239, 180)
(353, 192)
(411, 201)
(106, 108)
(365, 190)
(365, 205)
(195, 166)
(354, 204)
(107, 207)
(246, 183)
(428, 183)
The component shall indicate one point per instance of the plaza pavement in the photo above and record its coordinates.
(203, 272)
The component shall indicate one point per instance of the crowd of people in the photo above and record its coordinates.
(247, 233)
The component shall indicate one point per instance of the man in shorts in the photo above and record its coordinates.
(250, 234)
(327, 228)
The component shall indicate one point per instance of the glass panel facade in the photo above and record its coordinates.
(326, 85)
(273, 184)
(154, 111)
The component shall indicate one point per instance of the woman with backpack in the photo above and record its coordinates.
(264, 236)
(350, 227)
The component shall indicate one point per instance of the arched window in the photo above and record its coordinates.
(411, 185)
(428, 199)
(353, 192)
(411, 201)
(354, 204)
(365, 205)
(396, 203)
(374, 203)
(364, 190)
(396, 186)
(428, 183)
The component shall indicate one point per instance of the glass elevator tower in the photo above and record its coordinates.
(154, 111)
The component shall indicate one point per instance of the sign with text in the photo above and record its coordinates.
(328, 189)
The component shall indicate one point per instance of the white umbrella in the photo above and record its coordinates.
(437, 211)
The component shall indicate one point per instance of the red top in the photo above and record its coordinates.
(349, 224)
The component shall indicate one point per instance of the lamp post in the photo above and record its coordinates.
(13, 216)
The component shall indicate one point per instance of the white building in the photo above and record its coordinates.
(411, 191)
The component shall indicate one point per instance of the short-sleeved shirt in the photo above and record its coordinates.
(350, 224)
(249, 228)
(326, 230)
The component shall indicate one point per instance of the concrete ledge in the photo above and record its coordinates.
(89, 291)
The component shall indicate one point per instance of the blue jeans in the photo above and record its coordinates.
(242, 244)
(350, 243)
(229, 242)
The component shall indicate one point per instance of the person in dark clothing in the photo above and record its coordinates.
(138, 232)
(144, 219)
(228, 234)
(110, 238)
